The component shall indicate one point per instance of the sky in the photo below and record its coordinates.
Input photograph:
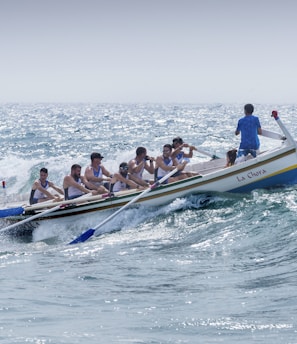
(148, 51)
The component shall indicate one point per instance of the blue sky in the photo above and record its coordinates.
(227, 51)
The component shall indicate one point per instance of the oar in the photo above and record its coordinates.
(283, 127)
(19, 210)
(273, 135)
(87, 234)
(11, 211)
(213, 156)
(32, 217)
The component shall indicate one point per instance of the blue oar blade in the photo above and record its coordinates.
(11, 211)
(83, 237)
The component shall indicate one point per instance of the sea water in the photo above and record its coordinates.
(212, 268)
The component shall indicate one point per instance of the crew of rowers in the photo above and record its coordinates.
(98, 180)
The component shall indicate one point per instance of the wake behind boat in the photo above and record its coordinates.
(271, 168)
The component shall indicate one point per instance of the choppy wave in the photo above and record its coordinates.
(205, 268)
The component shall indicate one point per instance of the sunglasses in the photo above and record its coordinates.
(125, 168)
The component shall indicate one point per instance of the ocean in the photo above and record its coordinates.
(221, 271)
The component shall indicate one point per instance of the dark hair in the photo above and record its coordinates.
(168, 146)
(75, 166)
(43, 169)
(178, 140)
(249, 109)
(140, 150)
(96, 156)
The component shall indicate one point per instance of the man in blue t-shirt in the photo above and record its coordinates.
(249, 126)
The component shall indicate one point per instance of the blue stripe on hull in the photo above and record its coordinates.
(286, 178)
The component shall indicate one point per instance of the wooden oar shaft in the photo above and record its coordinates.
(47, 211)
(136, 198)
(13, 211)
(83, 198)
(213, 156)
(31, 218)
(273, 135)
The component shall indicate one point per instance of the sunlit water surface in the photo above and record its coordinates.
(221, 271)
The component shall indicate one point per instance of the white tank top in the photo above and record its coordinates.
(119, 186)
(138, 174)
(161, 173)
(38, 194)
(73, 191)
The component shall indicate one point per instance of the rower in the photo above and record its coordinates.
(40, 193)
(76, 185)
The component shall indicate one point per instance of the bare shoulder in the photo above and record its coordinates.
(88, 169)
(36, 184)
(68, 179)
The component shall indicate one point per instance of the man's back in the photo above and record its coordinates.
(248, 126)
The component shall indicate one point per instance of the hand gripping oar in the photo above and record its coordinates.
(87, 234)
(32, 217)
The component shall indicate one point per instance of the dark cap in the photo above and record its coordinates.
(178, 140)
(96, 156)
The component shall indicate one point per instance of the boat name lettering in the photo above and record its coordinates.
(251, 175)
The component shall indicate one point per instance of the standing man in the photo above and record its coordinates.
(249, 126)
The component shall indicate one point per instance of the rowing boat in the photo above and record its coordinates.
(272, 168)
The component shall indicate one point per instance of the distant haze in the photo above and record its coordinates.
(196, 51)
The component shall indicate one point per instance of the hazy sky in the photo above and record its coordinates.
(196, 51)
